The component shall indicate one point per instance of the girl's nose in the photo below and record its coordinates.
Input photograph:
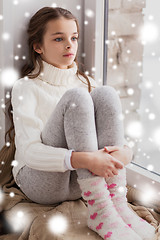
(68, 44)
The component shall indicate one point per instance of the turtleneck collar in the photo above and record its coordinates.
(57, 76)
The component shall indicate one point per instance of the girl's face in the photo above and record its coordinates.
(60, 43)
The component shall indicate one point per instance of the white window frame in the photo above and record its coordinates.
(139, 177)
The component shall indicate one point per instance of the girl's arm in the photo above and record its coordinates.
(98, 162)
(28, 125)
(104, 162)
(123, 154)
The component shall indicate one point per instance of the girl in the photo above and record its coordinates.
(62, 130)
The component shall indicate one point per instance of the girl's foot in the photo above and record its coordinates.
(102, 216)
(117, 187)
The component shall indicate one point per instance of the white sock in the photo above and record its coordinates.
(118, 190)
(102, 216)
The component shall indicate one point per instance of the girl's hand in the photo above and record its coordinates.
(123, 154)
(103, 164)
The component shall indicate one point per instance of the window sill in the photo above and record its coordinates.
(142, 179)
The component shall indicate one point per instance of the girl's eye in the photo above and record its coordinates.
(58, 39)
(74, 38)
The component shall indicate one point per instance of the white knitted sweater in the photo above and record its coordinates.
(33, 101)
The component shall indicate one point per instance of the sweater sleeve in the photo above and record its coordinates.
(28, 127)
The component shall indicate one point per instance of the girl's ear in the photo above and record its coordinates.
(37, 48)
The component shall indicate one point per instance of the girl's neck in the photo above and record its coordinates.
(56, 76)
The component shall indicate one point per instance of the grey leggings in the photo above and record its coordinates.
(81, 121)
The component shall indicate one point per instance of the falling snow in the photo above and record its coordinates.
(8, 144)
(78, 7)
(58, 224)
(8, 77)
(130, 91)
(89, 13)
(17, 219)
(14, 163)
(11, 194)
(149, 32)
(5, 36)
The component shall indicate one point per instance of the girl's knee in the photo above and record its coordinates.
(107, 97)
(78, 96)
(107, 93)
(104, 91)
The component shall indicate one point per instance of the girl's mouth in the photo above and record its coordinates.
(68, 55)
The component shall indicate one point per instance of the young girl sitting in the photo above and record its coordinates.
(63, 125)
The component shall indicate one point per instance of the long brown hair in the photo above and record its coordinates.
(36, 31)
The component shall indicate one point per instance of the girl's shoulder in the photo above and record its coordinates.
(23, 84)
(23, 89)
(24, 94)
